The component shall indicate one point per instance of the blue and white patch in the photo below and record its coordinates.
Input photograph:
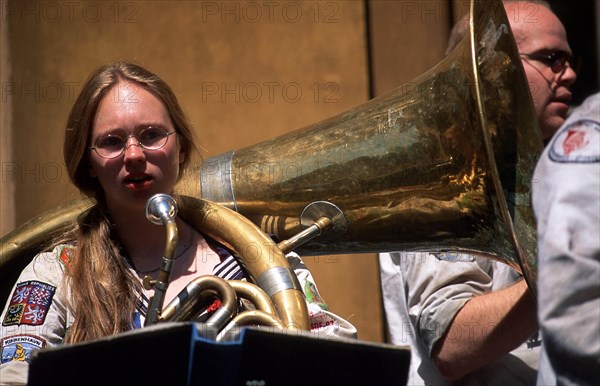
(29, 303)
(579, 142)
(454, 256)
(20, 347)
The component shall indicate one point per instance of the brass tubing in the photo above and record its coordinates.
(254, 317)
(170, 247)
(183, 307)
(257, 252)
(314, 230)
(254, 294)
(32, 235)
(162, 283)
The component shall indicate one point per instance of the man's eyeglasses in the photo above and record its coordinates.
(557, 60)
(113, 145)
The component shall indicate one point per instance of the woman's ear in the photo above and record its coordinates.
(182, 153)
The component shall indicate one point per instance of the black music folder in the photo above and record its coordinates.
(174, 354)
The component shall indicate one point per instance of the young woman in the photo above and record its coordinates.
(126, 139)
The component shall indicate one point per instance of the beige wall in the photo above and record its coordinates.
(244, 72)
(407, 38)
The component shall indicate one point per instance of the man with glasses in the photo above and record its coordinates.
(547, 61)
(546, 56)
(473, 320)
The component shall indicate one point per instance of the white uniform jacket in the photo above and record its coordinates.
(38, 313)
(566, 199)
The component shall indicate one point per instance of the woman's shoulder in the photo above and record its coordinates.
(50, 264)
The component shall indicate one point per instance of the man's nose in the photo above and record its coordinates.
(568, 77)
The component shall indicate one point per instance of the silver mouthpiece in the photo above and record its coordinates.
(161, 209)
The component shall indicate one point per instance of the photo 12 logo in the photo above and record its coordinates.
(41, 11)
(31, 172)
(269, 92)
(270, 11)
(39, 92)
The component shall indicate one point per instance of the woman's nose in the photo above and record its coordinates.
(133, 150)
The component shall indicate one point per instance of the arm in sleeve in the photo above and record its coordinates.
(465, 314)
(35, 314)
(437, 287)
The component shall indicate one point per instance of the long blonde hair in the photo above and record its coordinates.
(103, 289)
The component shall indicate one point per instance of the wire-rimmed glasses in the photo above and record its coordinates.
(113, 145)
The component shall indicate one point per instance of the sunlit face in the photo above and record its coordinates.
(132, 177)
(538, 32)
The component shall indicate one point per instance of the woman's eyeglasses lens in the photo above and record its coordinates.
(111, 145)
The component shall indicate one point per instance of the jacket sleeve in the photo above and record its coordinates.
(34, 316)
(438, 286)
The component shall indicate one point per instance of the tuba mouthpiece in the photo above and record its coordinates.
(161, 209)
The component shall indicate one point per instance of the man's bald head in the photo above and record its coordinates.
(539, 36)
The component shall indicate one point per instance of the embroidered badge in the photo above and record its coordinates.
(19, 347)
(313, 296)
(29, 304)
(578, 142)
(66, 256)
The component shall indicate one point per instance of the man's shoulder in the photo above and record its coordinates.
(578, 140)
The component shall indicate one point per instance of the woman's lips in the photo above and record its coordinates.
(137, 182)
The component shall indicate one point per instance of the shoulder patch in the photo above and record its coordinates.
(29, 303)
(579, 142)
(20, 347)
(66, 256)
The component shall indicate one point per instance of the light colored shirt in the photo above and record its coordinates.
(423, 292)
(566, 202)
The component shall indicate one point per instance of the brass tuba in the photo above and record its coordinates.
(443, 163)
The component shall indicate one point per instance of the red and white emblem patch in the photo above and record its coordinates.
(575, 140)
(579, 142)
(29, 303)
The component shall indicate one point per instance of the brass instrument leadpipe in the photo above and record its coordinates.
(161, 209)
